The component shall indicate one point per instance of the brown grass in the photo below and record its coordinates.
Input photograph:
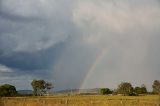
(82, 101)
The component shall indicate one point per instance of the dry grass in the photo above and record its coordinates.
(82, 101)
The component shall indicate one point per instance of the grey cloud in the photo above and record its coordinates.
(33, 35)
(124, 29)
(5, 69)
(62, 39)
(49, 28)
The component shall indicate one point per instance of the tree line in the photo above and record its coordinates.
(41, 87)
(126, 88)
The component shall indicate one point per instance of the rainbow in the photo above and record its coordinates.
(92, 68)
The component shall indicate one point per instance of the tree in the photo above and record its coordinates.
(105, 91)
(156, 86)
(40, 87)
(48, 86)
(140, 90)
(8, 90)
(125, 88)
(144, 89)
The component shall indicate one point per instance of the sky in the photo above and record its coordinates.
(79, 43)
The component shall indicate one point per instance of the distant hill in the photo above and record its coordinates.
(90, 91)
(67, 91)
(79, 91)
(25, 92)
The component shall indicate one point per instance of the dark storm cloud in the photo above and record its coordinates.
(49, 28)
(7, 16)
(33, 34)
(33, 61)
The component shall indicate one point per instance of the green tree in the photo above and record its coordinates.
(40, 87)
(8, 90)
(105, 91)
(125, 88)
(140, 90)
(156, 87)
(144, 89)
(48, 86)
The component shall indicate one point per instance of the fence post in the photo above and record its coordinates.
(66, 102)
(1, 103)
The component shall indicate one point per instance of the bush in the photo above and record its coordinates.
(105, 91)
(7, 90)
(125, 88)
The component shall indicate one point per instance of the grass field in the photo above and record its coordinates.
(82, 101)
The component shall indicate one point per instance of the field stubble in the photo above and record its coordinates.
(153, 100)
